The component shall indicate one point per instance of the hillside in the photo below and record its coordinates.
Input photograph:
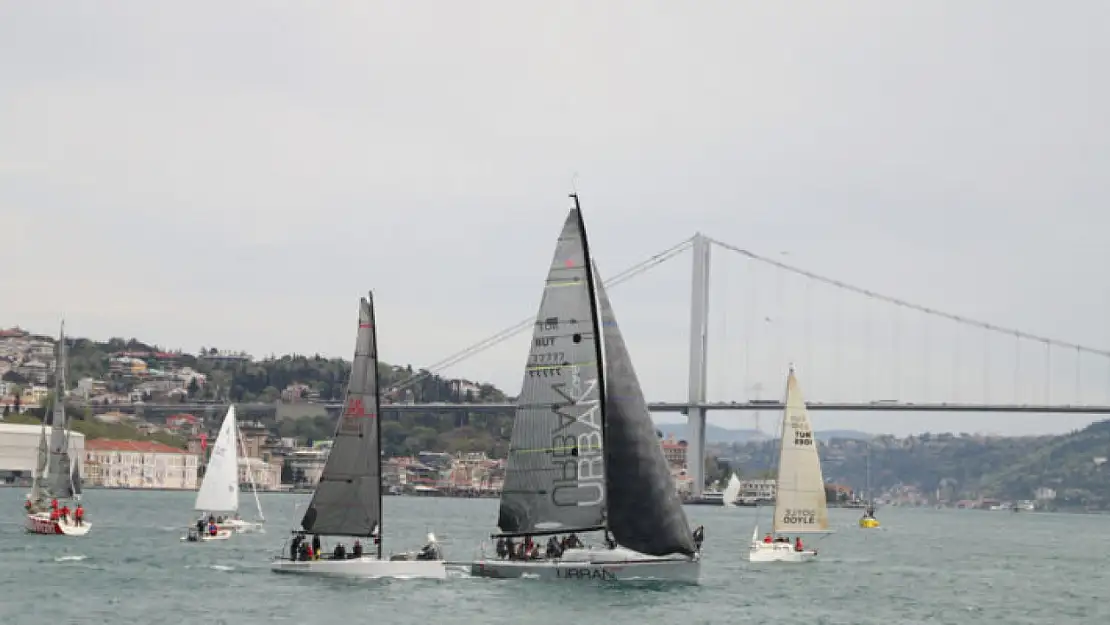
(93, 430)
(962, 466)
(718, 435)
(124, 370)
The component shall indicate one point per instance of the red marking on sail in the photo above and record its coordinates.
(569, 263)
(365, 325)
(355, 408)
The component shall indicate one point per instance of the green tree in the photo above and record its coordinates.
(193, 387)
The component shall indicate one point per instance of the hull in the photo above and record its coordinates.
(779, 552)
(594, 566)
(40, 523)
(366, 567)
(869, 523)
(193, 537)
(240, 526)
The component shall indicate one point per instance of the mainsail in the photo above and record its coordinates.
(555, 478)
(800, 505)
(347, 501)
(645, 513)
(52, 479)
(219, 491)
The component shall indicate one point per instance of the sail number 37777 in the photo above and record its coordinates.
(794, 516)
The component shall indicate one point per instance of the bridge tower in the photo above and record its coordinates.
(699, 345)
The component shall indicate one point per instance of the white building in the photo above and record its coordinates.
(758, 489)
(138, 464)
(19, 448)
(266, 476)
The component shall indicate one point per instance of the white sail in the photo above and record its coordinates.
(732, 491)
(219, 492)
(800, 503)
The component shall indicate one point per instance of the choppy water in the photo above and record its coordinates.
(925, 566)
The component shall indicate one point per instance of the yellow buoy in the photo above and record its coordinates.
(869, 522)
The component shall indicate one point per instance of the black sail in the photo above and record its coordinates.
(347, 501)
(645, 513)
(555, 480)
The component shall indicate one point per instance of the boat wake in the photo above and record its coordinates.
(76, 558)
(221, 567)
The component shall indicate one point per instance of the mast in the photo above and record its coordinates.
(250, 471)
(782, 443)
(595, 318)
(377, 419)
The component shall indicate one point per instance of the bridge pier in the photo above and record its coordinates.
(699, 343)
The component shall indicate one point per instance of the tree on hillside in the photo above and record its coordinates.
(193, 387)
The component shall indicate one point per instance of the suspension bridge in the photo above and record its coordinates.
(859, 350)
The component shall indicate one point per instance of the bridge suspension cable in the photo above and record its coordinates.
(511, 331)
(1048, 342)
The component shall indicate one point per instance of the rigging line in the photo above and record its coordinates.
(906, 304)
(511, 331)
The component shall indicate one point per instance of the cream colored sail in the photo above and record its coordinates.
(800, 503)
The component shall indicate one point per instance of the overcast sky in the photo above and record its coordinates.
(236, 174)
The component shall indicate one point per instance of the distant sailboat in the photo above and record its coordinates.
(218, 497)
(800, 506)
(347, 501)
(732, 491)
(584, 456)
(57, 479)
(868, 521)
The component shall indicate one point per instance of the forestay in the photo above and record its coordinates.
(645, 513)
(347, 501)
(219, 491)
(800, 503)
(555, 478)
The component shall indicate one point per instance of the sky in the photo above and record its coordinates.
(236, 174)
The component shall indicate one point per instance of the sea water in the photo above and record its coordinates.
(923, 566)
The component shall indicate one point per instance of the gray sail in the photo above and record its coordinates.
(645, 513)
(59, 462)
(62, 487)
(347, 501)
(555, 478)
(75, 479)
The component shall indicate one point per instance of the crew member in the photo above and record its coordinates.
(798, 544)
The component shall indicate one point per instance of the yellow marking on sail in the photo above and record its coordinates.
(559, 366)
(554, 449)
(554, 284)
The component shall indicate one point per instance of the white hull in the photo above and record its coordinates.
(40, 523)
(595, 565)
(366, 567)
(206, 537)
(240, 526)
(779, 552)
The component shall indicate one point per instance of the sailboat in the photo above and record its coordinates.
(57, 479)
(868, 520)
(732, 491)
(347, 501)
(800, 506)
(584, 456)
(218, 497)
